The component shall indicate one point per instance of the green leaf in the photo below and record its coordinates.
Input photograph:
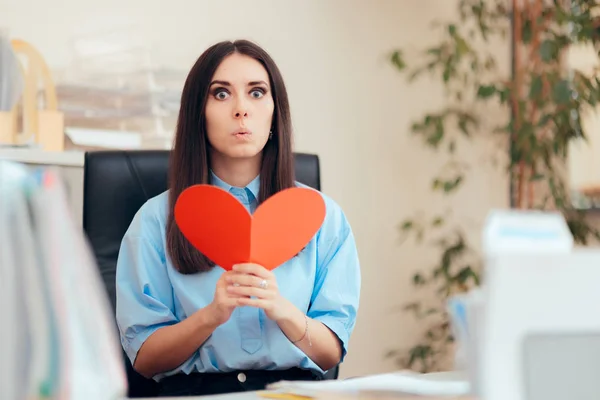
(526, 33)
(419, 352)
(452, 185)
(447, 186)
(545, 119)
(418, 279)
(537, 177)
(446, 74)
(452, 29)
(548, 50)
(561, 92)
(435, 137)
(535, 90)
(486, 91)
(464, 274)
(462, 125)
(438, 221)
(504, 95)
(434, 51)
(407, 225)
(398, 60)
(462, 47)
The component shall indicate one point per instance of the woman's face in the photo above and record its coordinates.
(239, 109)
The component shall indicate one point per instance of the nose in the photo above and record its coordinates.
(240, 110)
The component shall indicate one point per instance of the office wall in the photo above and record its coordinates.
(348, 105)
(583, 157)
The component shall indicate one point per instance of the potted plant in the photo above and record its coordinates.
(545, 101)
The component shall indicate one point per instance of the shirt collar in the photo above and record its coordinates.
(253, 186)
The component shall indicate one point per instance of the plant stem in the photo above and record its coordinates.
(533, 14)
(517, 27)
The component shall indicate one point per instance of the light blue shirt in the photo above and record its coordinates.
(323, 281)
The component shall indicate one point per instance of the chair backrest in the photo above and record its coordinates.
(116, 184)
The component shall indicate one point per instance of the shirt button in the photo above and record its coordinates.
(241, 377)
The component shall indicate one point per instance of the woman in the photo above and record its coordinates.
(186, 322)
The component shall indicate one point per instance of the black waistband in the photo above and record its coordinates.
(222, 382)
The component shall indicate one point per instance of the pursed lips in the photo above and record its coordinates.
(242, 132)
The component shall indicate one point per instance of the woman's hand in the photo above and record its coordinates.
(224, 301)
(254, 285)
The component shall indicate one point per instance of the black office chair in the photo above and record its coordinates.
(116, 185)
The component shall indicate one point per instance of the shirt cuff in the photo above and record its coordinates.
(132, 344)
(339, 329)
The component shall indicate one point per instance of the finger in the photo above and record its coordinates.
(224, 277)
(253, 269)
(249, 291)
(226, 292)
(258, 303)
(241, 279)
(230, 301)
(223, 292)
(230, 295)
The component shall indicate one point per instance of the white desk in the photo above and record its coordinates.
(228, 396)
(327, 396)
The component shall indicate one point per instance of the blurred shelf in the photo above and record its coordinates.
(37, 156)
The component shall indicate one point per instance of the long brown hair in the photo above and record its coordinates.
(189, 161)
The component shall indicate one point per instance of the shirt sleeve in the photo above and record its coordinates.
(143, 289)
(336, 293)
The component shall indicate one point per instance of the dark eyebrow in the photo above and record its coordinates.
(225, 83)
(254, 83)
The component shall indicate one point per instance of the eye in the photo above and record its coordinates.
(257, 93)
(220, 94)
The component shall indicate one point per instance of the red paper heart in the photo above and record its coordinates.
(220, 227)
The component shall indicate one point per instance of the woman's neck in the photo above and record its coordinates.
(236, 171)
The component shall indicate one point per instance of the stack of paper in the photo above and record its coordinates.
(58, 341)
(402, 382)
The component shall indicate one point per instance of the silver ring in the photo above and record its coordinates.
(264, 284)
